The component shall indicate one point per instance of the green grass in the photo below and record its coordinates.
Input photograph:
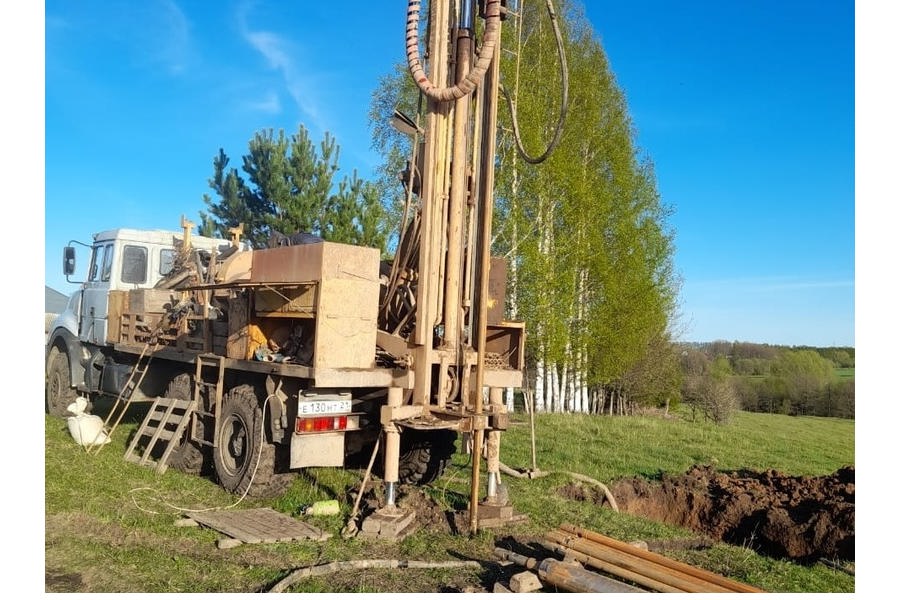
(845, 372)
(106, 533)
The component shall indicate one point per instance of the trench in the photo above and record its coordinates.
(799, 518)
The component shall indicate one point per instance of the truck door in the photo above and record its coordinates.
(95, 299)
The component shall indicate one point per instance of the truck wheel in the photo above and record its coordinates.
(189, 456)
(59, 393)
(425, 454)
(243, 458)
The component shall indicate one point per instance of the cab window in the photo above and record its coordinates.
(107, 262)
(134, 264)
(96, 256)
(166, 261)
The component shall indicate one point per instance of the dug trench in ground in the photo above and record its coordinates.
(799, 518)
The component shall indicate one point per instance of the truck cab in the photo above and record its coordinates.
(126, 259)
(120, 259)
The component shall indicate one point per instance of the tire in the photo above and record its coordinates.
(189, 456)
(59, 393)
(241, 442)
(425, 454)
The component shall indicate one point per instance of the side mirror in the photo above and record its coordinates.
(68, 261)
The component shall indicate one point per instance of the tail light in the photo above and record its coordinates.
(316, 424)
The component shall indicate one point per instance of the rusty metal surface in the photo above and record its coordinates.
(259, 525)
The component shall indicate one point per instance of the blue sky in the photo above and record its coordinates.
(745, 107)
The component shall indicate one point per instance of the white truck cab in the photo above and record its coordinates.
(120, 259)
(126, 259)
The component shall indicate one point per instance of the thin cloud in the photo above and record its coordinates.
(175, 35)
(278, 53)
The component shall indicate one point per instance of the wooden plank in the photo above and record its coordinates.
(258, 525)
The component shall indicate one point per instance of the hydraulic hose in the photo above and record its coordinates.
(564, 102)
(474, 77)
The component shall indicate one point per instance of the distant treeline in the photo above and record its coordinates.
(721, 376)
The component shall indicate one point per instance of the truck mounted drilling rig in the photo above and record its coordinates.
(259, 362)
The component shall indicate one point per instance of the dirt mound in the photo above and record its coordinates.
(783, 516)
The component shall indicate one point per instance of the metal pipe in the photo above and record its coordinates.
(658, 559)
(486, 210)
(572, 577)
(390, 493)
(466, 14)
(638, 578)
(491, 485)
(452, 295)
(666, 575)
(493, 444)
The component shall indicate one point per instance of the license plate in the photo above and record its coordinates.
(324, 407)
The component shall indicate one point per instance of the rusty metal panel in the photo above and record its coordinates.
(287, 264)
(496, 301)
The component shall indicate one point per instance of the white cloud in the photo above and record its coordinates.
(279, 54)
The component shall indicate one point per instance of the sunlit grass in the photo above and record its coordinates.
(111, 522)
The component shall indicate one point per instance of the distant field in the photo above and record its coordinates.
(846, 372)
(117, 534)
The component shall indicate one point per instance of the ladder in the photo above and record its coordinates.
(214, 389)
(169, 419)
(166, 421)
(124, 399)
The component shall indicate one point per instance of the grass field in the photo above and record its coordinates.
(109, 524)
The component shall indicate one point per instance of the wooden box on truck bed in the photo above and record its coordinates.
(335, 285)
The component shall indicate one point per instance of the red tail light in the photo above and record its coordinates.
(314, 424)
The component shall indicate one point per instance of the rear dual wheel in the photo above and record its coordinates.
(189, 455)
(245, 461)
(425, 454)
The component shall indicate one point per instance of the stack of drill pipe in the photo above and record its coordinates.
(645, 568)
(567, 576)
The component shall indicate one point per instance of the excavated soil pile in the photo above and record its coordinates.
(800, 518)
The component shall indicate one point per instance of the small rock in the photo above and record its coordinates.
(524, 582)
(499, 588)
(227, 543)
(186, 523)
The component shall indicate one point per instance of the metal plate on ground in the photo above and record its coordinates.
(259, 526)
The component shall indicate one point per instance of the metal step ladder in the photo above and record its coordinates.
(213, 385)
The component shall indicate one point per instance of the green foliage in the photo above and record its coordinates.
(586, 229)
(291, 187)
(781, 379)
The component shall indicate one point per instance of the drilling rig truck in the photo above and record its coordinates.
(259, 362)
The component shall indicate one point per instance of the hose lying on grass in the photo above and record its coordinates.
(350, 565)
(534, 474)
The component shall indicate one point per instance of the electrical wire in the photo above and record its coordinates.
(180, 509)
